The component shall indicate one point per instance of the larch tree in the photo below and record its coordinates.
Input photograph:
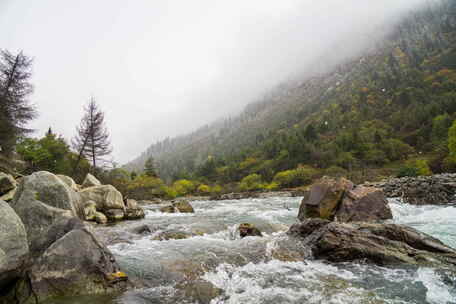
(92, 138)
(15, 107)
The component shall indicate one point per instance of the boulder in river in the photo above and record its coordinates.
(133, 211)
(77, 263)
(90, 181)
(246, 229)
(382, 244)
(324, 198)
(171, 235)
(13, 245)
(168, 209)
(363, 204)
(342, 201)
(183, 206)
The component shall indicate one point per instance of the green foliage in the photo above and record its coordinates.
(50, 153)
(184, 187)
(204, 189)
(336, 171)
(452, 141)
(145, 187)
(294, 178)
(407, 172)
(251, 182)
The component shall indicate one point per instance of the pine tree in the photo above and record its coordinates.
(15, 108)
(149, 167)
(92, 138)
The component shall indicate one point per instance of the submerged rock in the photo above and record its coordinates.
(382, 244)
(202, 292)
(90, 181)
(171, 235)
(168, 209)
(183, 206)
(13, 246)
(248, 230)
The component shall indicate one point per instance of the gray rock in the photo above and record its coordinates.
(105, 197)
(76, 264)
(114, 215)
(14, 248)
(42, 199)
(100, 218)
(183, 206)
(246, 229)
(7, 183)
(324, 198)
(90, 181)
(134, 214)
(90, 210)
(382, 244)
(69, 182)
(9, 195)
(363, 204)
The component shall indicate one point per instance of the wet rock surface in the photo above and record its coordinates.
(382, 244)
(340, 200)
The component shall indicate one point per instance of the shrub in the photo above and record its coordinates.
(336, 171)
(204, 189)
(251, 182)
(184, 187)
(407, 172)
(146, 187)
(295, 178)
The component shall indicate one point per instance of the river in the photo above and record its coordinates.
(258, 270)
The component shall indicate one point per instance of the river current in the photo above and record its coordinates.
(255, 269)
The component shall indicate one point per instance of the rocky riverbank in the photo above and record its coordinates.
(439, 189)
(47, 250)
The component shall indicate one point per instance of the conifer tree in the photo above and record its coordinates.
(92, 138)
(15, 107)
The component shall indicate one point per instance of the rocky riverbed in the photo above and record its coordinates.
(239, 251)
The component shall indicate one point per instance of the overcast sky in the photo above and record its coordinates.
(165, 67)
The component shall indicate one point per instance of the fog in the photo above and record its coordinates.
(164, 67)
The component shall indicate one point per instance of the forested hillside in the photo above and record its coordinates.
(390, 108)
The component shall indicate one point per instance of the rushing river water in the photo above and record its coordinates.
(255, 269)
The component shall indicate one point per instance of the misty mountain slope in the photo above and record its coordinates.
(374, 108)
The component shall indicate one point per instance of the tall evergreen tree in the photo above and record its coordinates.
(15, 107)
(92, 138)
(149, 167)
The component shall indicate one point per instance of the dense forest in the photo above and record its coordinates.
(385, 112)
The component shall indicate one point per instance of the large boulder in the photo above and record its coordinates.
(42, 199)
(324, 198)
(13, 246)
(363, 204)
(382, 244)
(90, 181)
(69, 182)
(75, 264)
(105, 197)
(7, 183)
